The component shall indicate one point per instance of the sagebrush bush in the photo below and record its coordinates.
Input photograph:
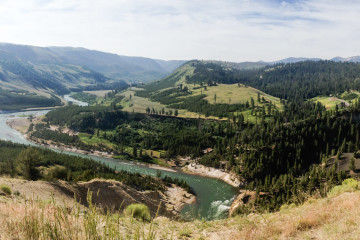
(6, 189)
(348, 185)
(138, 211)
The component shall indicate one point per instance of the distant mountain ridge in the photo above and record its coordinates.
(112, 65)
(259, 64)
(349, 59)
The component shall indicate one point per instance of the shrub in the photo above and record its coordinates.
(348, 185)
(186, 232)
(6, 189)
(138, 211)
(57, 172)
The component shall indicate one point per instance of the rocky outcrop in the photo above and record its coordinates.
(245, 197)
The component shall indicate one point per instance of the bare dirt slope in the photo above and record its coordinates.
(107, 194)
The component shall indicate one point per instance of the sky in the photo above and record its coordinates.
(228, 30)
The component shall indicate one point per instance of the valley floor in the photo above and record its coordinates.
(22, 125)
(333, 217)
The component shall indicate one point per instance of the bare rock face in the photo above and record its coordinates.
(242, 199)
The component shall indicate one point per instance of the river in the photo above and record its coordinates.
(213, 196)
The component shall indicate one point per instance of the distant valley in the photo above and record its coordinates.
(39, 74)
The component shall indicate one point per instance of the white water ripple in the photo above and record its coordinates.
(220, 208)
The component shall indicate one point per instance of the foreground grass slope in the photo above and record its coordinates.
(333, 217)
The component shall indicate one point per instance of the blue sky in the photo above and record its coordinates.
(230, 30)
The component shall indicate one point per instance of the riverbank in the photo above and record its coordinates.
(198, 169)
(22, 125)
(175, 198)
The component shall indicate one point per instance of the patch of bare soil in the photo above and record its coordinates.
(202, 170)
(107, 194)
(22, 124)
(344, 164)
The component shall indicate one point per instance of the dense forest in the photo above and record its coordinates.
(293, 82)
(32, 163)
(301, 80)
(177, 136)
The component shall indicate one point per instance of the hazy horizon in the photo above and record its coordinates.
(230, 30)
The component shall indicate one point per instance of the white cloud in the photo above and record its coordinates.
(233, 30)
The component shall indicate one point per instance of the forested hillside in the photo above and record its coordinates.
(291, 145)
(180, 90)
(287, 81)
(208, 88)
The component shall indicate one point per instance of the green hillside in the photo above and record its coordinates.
(216, 89)
(188, 92)
(46, 72)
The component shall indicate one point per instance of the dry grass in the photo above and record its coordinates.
(334, 217)
(232, 93)
(99, 93)
(34, 219)
(328, 102)
(139, 104)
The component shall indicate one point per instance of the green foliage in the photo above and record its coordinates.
(348, 185)
(138, 211)
(6, 189)
(28, 160)
(352, 164)
(175, 135)
(18, 100)
(84, 97)
(302, 80)
(43, 133)
(349, 96)
(68, 168)
(199, 105)
(186, 232)
(57, 172)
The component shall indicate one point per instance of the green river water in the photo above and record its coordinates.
(213, 197)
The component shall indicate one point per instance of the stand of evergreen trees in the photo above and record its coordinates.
(33, 163)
